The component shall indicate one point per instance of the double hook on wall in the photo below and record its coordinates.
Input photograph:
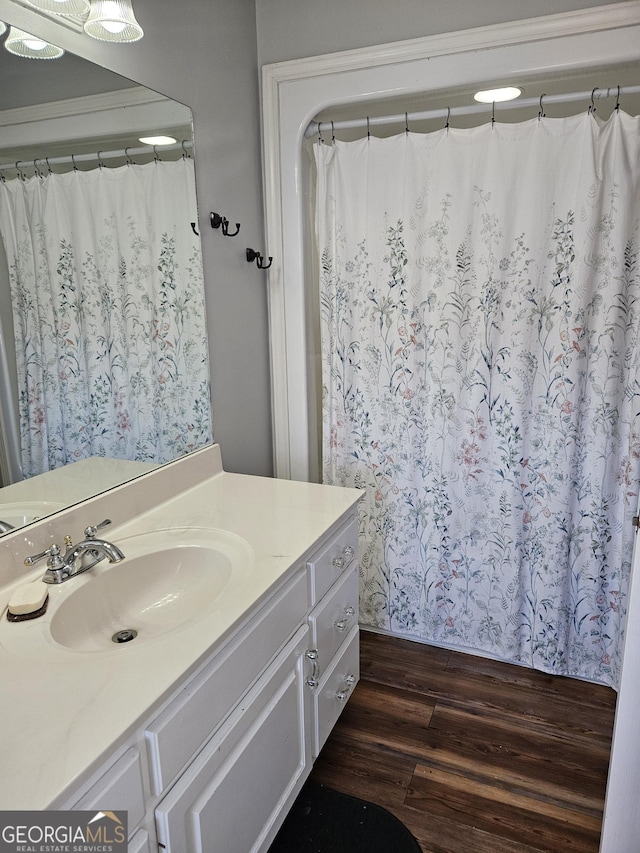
(222, 222)
(252, 256)
(218, 221)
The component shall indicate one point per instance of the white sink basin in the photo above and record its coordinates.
(24, 512)
(168, 580)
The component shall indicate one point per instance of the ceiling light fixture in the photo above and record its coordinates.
(61, 7)
(112, 20)
(29, 47)
(105, 20)
(494, 96)
(157, 140)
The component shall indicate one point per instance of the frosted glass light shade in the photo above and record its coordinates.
(3, 27)
(113, 20)
(24, 44)
(62, 7)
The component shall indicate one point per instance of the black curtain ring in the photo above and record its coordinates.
(46, 160)
(592, 106)
(19, 171)
(368, 129)
(320, 136)
(333, 136)
(446, 127)
(406, 123)
(73, 160)
(618, 100)
(493, 114)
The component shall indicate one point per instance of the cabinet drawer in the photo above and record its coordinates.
(335, 616)
(177, 734)
(231, 798)
(119, 789)
(329, 563)
(336, 685)
(140, 843)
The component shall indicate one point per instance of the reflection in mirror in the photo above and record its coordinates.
(103, 351)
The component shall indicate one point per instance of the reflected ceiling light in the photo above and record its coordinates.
(157, 140)
(61, 7)
(24, 44)
(494, 96)
(112, 20)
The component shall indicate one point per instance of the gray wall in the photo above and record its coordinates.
(292, 29)
(203, 53)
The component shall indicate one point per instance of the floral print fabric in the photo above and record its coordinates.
(480, 312)
(108, 299)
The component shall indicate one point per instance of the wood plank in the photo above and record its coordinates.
(475, 689)
(364, 772)
(510, 755)
(504, 813)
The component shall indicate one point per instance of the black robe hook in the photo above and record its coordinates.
(218, 221)
(257, 257)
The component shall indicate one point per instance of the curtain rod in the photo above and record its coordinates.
(315, 127)
(45, 162)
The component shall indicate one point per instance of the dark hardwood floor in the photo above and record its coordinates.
(474, 756)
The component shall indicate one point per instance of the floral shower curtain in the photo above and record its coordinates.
(480, 312)
(108, 301)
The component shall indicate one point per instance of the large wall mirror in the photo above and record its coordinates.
(55, 117)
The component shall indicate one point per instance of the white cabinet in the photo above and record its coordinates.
(218, 766)
(231, 797)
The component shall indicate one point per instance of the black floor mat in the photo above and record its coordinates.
(325, 821)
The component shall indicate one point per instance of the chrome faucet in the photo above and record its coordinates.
(62, 567)
(5, 527)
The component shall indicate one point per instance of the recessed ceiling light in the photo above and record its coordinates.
(491, 96)
(157, 140)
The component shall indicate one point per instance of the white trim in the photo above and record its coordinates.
(295, 91)
(132, 96)
(89, 119)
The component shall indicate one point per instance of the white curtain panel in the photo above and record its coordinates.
(108, 302)
(480, 301)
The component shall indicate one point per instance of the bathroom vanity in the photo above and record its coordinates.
(206, 724)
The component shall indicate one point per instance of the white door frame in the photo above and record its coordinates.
(294, 92)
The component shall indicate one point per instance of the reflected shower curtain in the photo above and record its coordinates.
(108, 302)
(480, 312)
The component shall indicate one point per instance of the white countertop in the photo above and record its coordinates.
(61, 716)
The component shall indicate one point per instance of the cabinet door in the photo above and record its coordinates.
(234, 796)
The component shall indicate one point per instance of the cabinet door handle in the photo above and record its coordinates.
(345, 691)
(312, 680)
(343, 623)
(344, 559)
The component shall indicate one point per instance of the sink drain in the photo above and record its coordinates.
(124, 636)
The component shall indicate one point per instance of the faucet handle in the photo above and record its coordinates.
(90, 532)
(55, 561)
